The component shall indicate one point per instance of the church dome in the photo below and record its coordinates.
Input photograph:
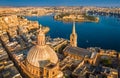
(41, 54)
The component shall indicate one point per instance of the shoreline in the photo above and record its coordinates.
(66, 17)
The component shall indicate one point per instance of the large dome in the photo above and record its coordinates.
(40, 55)
(42, 61)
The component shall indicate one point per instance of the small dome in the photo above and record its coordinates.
(39, 55)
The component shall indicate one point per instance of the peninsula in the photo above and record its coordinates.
(68, 17)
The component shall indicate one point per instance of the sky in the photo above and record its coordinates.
(104, 3)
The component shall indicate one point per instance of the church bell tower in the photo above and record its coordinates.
(73, 37)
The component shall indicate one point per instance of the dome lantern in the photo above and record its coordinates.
(41, 38)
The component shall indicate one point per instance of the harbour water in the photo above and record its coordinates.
(104, 34)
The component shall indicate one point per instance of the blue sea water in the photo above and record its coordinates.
(104, 34)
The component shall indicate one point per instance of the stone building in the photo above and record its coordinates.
(77, 53)
(42, 61)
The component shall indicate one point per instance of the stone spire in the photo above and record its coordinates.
(73, 37)
(73, 30)
(41, 38)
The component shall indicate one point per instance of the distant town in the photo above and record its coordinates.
(26, 51)
(39, 11)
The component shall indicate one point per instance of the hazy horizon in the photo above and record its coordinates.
(100, 3)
